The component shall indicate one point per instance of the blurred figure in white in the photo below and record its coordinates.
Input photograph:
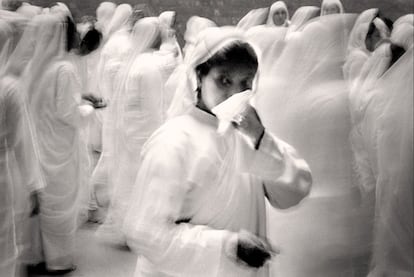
(195, 25)
(23, 162)
(278, 15)
(393, 253)
(256, 17)
(331, 7)
(53, 88)
(307, 105)
(138, 114)
(113, 54)
(198, 205)
(171, 54)
(300, 18)
(104, 14)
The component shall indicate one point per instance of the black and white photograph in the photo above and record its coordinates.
(207, 138)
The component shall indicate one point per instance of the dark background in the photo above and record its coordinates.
(225, 12)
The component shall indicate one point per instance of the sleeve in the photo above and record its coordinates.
(153, 225)
(67, 105)
(286, 177)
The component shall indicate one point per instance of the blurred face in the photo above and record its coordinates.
(279, 17)
(224, 81)
(331, 9)
(373, 40)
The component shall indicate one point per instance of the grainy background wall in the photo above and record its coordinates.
(225, 12)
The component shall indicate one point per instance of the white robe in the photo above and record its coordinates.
(63, 159)
(140, 113)
(19, 172)
(195, 188)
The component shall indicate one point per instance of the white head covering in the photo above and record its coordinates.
(104, 14)
(195, 25)
(279, 5)
(120, 18)
(360, 30)
(169, 40)
(24, 50)
(29, 10)
(403, 35)
(253, 18)
(50, 34)
(301, 16)
(326, 3)
(408, 18)
(144, 34)
(208, 44)
(382, 27)
(61, 8)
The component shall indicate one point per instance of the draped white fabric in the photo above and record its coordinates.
(301, 16)
(114, 53)
(393, 137)
(138, 112)
(307, 105)
(279, 5)
(357, 50)
(326, 4)
(53, 91)
(104, 14)
(253, 18)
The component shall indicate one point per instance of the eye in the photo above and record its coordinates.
(225, 81)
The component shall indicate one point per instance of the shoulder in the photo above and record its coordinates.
(174, 135)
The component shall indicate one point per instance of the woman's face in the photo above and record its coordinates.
(331, 9)
(224, 81)
(279, 17)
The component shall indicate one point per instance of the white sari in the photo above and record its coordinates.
(305, 101)
(137, 113)
(53, 87)
(196, 188)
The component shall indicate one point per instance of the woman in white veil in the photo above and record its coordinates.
(53, 89)
(204, 197)
(331, 7)
(304, 100)
(169, 40)
(171, 54)
(113, 54)
(392, 143)
(278, 15)
(104, 14)
(138, 112)
(24, 163)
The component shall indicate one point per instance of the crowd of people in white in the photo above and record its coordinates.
(277, 147)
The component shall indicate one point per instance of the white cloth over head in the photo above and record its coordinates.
(104, 14)
(120, 19)
(329, 3)
(301, 16)
(204, 188)
(138, 113)
(279, 5)
(253, 18)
